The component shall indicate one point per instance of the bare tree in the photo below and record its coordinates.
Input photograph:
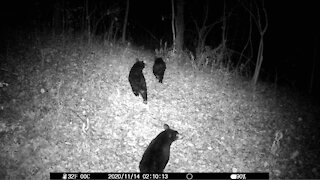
(249, 42)
(179, 23)
(172, 25)
(262, 30)
(125, 23)
(203, 30)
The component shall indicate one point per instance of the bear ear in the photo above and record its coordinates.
(166, 126)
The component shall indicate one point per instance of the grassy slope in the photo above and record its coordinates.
(77, 113)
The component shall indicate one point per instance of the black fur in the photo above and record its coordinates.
(156, 156)
(159, 67)
(137, 80)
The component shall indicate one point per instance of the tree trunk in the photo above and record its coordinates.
(262, 31)
(259, 62)
(125, 23)
(172, 25)
(180, 25)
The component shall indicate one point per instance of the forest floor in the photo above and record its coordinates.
(68, 107)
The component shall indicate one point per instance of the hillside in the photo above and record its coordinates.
(68, 106)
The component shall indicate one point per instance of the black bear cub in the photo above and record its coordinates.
(137, 80)
(159, 67)
(156, 156)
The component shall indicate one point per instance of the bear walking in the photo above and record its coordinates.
(159, 67)
(137, 80)
(156, 156)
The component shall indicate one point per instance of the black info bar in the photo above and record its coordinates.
(157, 176)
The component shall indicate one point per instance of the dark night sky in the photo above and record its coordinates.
(290, 38)
(292, 26)
(289, 21)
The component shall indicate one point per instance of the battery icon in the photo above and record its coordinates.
(238, 176)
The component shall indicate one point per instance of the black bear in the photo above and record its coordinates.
(159, 67)
(156, 156)
(137, 80)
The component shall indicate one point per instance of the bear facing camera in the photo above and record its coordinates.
(157, 154)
